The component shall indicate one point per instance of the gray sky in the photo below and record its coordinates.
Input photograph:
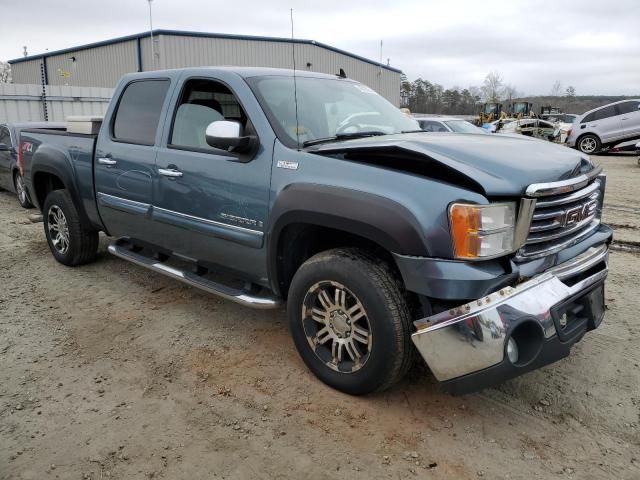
(593, 45)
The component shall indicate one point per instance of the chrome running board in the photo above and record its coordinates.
(121, 248)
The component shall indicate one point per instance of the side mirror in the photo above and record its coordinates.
(4, 147)
(227, 135)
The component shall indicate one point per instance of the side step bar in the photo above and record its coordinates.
(120, 249)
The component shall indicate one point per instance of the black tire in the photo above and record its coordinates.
(21, 192)
(82, 242)
(368, 280)
(588, 140)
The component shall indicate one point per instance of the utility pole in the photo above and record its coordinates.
(153, 50)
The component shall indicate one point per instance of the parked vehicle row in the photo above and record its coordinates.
(377, 237)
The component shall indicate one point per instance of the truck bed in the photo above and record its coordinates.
(60, 151)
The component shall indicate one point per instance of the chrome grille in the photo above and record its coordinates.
(562, 220)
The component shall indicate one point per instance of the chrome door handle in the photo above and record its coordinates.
(107, 161)
(170, 172)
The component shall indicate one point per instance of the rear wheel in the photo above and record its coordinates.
(589, 143)
(71, 242)
(21, 191)
(350, 322)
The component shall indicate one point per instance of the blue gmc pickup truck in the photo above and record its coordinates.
(484, 254)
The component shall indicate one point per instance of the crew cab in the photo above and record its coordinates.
(308, 190)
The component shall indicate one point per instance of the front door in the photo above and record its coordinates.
(210, 204)
(630, 118)
(125, 160)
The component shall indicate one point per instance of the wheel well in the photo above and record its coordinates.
(300, 241)
(588, 133)
(43, 184)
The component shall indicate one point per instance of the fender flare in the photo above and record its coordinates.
(53, 162)
(376, 218)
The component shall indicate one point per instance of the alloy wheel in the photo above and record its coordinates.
(336, 326)
(588, 145)
(20, 189)
(58, 229)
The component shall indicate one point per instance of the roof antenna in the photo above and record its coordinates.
(295, 85)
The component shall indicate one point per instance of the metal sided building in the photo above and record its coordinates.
(102, 64)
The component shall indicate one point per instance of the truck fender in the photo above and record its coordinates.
(376, 218)
(47, 160)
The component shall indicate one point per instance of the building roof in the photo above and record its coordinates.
(181, 33)
(245, 72)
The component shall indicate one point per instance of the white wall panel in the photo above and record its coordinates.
(23, 103)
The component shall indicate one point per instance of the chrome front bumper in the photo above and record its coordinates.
(473, 337)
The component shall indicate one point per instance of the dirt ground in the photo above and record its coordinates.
(110, 371)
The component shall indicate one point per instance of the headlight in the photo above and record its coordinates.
(482, 231)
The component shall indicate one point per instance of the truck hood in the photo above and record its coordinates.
(494, 165)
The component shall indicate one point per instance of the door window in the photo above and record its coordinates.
(431, 126)
(201, 103)
(627, 107)
(139, 110)
(5, 137)
(605, 112)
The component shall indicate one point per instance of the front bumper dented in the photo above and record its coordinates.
(473, 337)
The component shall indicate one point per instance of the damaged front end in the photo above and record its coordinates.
(515, 329)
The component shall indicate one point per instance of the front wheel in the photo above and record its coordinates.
(21, 191)
(589, 144)
(350, 322)
(71, 242)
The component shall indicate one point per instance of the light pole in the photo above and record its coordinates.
(153, 51)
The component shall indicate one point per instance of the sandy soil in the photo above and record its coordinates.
(109, 371)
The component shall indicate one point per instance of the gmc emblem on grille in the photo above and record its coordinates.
(579, 213)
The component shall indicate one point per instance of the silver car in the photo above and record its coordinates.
(605, 126)
(448, 124)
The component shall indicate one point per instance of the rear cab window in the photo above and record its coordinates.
(138, 113)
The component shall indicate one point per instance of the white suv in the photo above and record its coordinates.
(605, 126)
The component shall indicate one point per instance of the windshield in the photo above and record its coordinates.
(520, 108)
(327, 108)
(462, 126)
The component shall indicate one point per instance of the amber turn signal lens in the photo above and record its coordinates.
(465, 223)
(482, 231)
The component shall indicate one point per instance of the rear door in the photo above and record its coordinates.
(606, 124)
(125, 158)
(5, 158)
(630, 118)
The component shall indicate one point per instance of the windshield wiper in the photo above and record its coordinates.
(412, 131)
(343, 136)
